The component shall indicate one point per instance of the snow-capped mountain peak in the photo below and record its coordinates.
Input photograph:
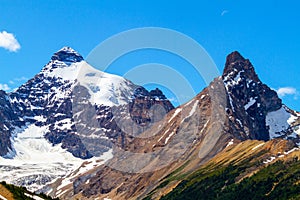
(64, 64)
(65, 113)
(67, 54)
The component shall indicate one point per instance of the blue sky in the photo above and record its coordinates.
(266, 32)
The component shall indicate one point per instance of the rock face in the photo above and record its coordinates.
(8, 119)
(144, 101)
(249, 99)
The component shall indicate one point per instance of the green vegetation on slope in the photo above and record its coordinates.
(19, 192)
(280, 180)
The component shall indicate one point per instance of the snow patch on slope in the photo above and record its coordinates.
(272, 158)
(230, 143)
(259, 145)
(279, 121)
(2, 197)
(250, 103)
(167, 139)
(193, 110)
(33, 197)
(177, 111)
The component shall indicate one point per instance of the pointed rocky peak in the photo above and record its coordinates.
(249, 99)
(60, 62)
(244, 86)
(67, 54)
(233, 57)
(237, 68)
(157, 93)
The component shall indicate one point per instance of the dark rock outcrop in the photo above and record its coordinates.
(249, 100)
(66, 55)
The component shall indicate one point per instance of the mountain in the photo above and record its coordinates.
(77, 133)
(65, 115)
(234, 110)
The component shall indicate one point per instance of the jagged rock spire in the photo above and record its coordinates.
(250, 100)
(237, 64)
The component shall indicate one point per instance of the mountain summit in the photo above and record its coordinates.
(235, 64)
(67, 54)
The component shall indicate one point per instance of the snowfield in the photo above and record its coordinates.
(106, 89)
(35, 162)
(278, 121)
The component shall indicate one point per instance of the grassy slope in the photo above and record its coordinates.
(12, 192)
(5, 193)
(239, 173)
(277, 181)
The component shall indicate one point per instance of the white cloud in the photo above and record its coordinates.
(172, 99)
(286, 91)
(9, 42)
(18, 80)
(23, 78)
(224, 12)
(4, 87)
